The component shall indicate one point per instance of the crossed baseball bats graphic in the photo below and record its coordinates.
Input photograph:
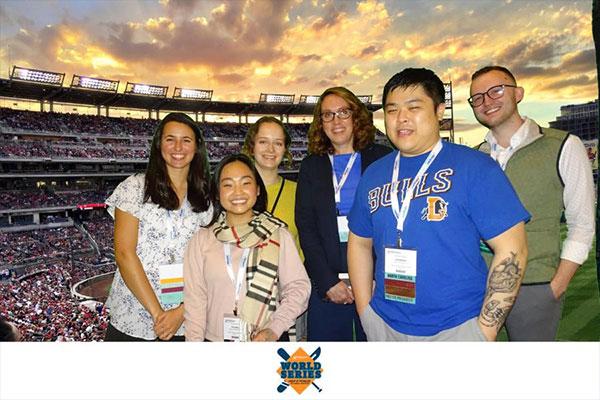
(284, 354)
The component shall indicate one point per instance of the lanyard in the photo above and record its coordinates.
(401, 213)
(337, 187)
(278, 196)
(174, 235)
(237, 283)
(172, 223)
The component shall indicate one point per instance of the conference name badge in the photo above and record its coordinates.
(171, 284)
(400, 275)
(343, 229)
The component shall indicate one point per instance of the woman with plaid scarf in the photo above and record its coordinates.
(244, 279)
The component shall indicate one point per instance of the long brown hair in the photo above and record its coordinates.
(158, 187)
(362, 121)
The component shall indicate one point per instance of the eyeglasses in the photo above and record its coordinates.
(495, 92)
(328, 116)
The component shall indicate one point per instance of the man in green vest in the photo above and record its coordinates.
(551, 173)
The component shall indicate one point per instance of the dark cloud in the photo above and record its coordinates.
(572, 63)
(368, 51)
(181, 7)
(578, 81)
(523, 71)
(226, 39)
(309, 57)
(229, 78)
(334, 13)
(581, 61)
(39, 48)
(531, 51)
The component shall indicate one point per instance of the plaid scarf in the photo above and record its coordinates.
(261, 235)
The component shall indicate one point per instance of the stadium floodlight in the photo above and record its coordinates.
(366, 98)
(37, 76)
(277, 98)
(86, 82)
(448, 95)
(143, 89)
(192, 94)
(309, 99)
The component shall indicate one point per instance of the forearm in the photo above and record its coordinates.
(360, 269)
(504, 279)
(194, 293)
(135, 278)
(563, 275)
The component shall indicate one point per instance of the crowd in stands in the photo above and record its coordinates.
(75, 123)
(37, 245)
(38, 298)
(15, 124)
(39, 198)
(43, 309)
(39, 149)
(124, 127)
(101, 230)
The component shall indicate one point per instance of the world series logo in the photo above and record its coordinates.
(299, 370)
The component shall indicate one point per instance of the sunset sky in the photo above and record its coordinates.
(242, 48)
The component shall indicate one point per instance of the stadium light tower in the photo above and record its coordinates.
(192, 94)
(85, 82)
(276, 98)
(309, 99)
(366, 98)
(37, 76)
(447, 123)
(143, 89)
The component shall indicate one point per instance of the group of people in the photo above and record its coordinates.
(427, 241)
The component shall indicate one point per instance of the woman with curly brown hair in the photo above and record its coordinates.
(341, 146)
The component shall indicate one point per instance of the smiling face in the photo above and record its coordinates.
(177, 146)
(494, 113)
(339, 131)
(238, 191)
(269, 146)
(412, 120)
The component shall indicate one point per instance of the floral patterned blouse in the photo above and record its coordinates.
(162, 239)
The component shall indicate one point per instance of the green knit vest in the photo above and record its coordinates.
(533, 172)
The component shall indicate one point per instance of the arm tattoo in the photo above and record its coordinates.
(505, 276)
(501, 291)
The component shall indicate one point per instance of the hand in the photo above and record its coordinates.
(266, 335)
(557, 289)
(168, 322)
(340, 293)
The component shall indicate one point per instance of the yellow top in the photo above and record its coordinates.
(285, 206)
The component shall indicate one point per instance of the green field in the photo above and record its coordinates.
(581, 312)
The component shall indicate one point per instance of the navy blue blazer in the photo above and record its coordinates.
(316, 217)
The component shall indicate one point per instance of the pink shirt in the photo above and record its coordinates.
(209, 293)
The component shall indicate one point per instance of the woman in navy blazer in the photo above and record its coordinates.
(341, 139)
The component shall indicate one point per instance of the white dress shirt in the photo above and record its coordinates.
(578, 194)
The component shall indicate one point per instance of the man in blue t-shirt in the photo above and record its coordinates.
(424, 210)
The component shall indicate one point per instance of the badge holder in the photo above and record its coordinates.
(400, 276)
(171, 284)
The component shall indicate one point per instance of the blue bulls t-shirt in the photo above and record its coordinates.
(463, 197)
